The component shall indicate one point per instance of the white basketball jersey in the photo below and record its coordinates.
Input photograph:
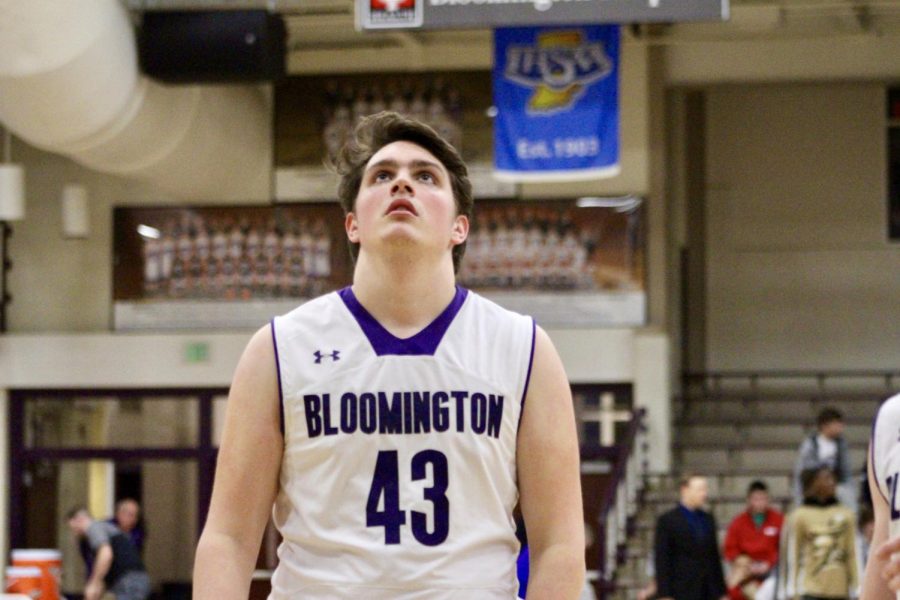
(886, 458)
(399, 472)
(885, 448)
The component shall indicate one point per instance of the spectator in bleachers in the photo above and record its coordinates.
(751, 547)
(686, 549)
(827, 448)
(818, 549)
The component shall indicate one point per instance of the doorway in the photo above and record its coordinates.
(92, 448)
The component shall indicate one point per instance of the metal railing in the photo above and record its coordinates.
(822, 382)
(620, 501)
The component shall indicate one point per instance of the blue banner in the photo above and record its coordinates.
(556, 90)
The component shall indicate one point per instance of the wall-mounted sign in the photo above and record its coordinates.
(461, 14)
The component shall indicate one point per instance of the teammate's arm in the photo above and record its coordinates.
(550, 479)
(874, 587)
(246, 477)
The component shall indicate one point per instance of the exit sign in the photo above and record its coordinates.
(196, 352)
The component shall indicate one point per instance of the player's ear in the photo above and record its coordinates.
(352, 228)
(460, 230)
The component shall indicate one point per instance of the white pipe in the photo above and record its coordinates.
(69, 83)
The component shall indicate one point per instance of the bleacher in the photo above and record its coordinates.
(734, 428)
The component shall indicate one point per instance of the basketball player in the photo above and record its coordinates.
(396, 423)
(882, 578)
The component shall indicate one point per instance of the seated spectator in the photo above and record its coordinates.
(818, 547)
(751, 547)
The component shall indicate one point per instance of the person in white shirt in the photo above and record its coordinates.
(827, 448)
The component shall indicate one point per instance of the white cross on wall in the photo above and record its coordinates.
(607, 416)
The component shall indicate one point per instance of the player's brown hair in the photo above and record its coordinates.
(377, 131)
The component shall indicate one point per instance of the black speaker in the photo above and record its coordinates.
(212, 46)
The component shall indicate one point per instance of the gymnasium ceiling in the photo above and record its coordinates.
(317, 27)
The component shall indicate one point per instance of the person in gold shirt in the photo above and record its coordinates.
(818, 554)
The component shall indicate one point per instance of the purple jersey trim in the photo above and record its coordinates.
(278, 371)
(384, 342)
(872, 457)
(530, 364)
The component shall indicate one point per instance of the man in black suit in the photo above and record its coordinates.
(688, 565)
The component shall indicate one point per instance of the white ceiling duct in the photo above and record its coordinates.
(69, 83)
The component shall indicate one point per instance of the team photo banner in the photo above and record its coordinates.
(556, 91)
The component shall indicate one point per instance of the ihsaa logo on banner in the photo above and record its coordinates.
(556, 91)
(558, 66)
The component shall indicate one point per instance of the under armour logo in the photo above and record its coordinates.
(335, 356)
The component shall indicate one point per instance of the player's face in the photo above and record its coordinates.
(405, 197)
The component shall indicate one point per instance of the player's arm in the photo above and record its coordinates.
(246, 477)
(550, 479)
(874, 587)
(94, 587)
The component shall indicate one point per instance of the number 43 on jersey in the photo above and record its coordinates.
(386, 485)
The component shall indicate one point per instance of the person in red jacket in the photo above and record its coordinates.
(751, 547)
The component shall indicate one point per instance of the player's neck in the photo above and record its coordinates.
(405, 297)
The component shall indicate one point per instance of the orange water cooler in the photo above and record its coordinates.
(27, 581)
(50, 564)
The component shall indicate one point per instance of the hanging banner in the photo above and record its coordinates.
(556, 91)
